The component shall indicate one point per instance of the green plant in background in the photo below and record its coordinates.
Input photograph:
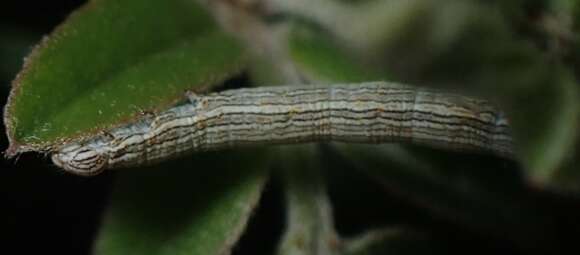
(113, 60)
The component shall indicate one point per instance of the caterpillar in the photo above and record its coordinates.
(373, 112)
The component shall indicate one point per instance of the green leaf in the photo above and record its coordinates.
(310, 228)
(319, 58)
(546, 130)
(484, 193)
(567, 178)
(193, 206)
(111, 60)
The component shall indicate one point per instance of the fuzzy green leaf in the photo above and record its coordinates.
(174, 209)
(111, 60)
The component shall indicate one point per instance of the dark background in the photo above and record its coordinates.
(45, 210)
(42, 210)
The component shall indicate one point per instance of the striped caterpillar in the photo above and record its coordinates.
(374, 112)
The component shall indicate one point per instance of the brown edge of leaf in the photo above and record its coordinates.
(15, 148)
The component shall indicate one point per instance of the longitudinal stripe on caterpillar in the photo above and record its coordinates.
(374, 112)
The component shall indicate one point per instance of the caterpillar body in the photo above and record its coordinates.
(374, 112)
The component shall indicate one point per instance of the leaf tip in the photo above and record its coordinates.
(10, 152)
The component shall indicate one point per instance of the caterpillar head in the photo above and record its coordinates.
(85, 160)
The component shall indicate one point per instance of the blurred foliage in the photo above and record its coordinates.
(189, 211)
(320, 59)
(309, 221)
(471, 47)
(482, 193)
(111, 60)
